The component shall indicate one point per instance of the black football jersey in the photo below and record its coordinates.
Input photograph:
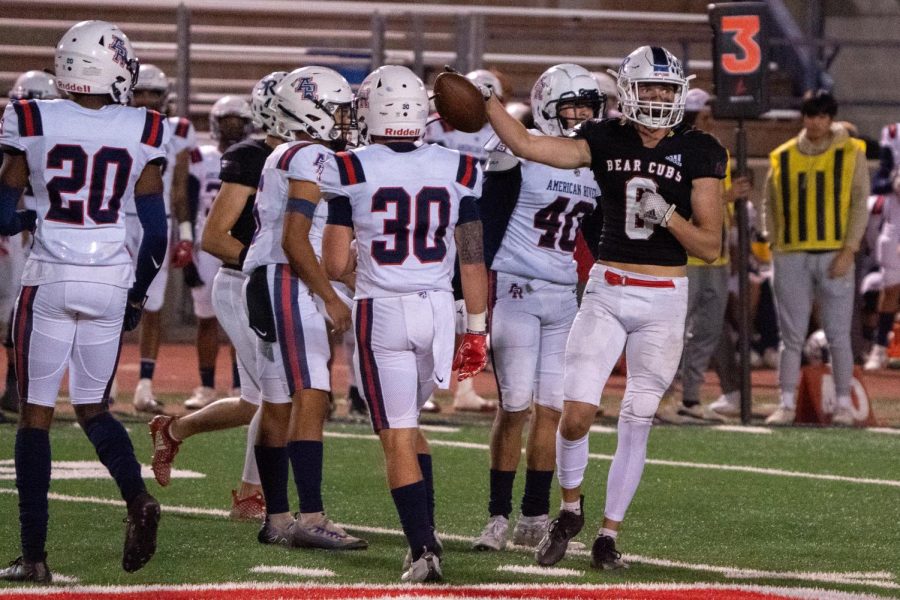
(243, 163)
(625, 170)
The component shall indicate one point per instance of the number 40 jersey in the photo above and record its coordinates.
(532, 213)
(404, 202)
(83, 166)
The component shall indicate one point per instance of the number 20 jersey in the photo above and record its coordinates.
(625, 170)
(83, 166)
(404, 203)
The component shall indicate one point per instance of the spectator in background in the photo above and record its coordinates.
(707, 301)
(814, 257)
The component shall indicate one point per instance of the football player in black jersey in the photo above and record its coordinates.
(227, 235)
(662, 198)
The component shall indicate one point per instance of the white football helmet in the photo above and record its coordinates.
(34, 85)
(261, 97)
(649, 65)
(561, 84)
(95, 57)
(308, 100)
(391, 102)
(607, 85)
(816, 348)
(230, 106)
(487, 79)
(152, 78)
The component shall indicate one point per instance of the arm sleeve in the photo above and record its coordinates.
(468, 210)
(151, 212)
(340, 212)
(859, 193)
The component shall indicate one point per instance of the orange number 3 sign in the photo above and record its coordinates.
(744, 29)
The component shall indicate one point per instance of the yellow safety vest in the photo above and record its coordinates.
(723, 259)
(812, 195)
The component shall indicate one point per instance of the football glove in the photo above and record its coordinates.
(653, 208)
(471, 357)
(182, 254)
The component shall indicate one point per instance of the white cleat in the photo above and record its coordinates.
(727, 405)
(843, 417)
(530, 530)
(202, 396)
(427, 568)
(493, 536)
(431, 406)
(877, 359)
(144, 400)
(781, 416)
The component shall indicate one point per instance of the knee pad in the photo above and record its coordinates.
(513, 402)
(639, 407)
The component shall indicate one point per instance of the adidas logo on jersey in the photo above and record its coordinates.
(675, 159)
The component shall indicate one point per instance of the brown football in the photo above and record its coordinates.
(459, 102)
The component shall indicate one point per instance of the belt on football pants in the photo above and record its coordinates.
(614, 278)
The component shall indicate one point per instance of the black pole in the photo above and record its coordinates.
(743, 258)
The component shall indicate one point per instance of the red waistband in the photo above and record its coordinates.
(614, 278)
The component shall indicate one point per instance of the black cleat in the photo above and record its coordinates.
(358, 406)
(605, 556)
(140, 532)
(552, 547)
(21, 570)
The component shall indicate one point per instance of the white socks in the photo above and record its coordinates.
(626, 469)
(572, 507)
(571, 460)
(788, 400)
(251, 472)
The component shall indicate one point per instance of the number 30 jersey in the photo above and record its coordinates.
(532, 213)
(404, 202)
(83, 166)
(625, 169)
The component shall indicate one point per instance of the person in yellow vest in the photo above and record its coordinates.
(707, 301)
(815, 216)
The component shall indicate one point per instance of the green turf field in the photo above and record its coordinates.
(691, 521)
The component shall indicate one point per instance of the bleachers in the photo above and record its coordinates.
(233, 44)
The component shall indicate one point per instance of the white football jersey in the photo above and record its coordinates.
(83, 166)
(302, 161)
(405, 207)
(539, 238)
(441, 133)
(205, 167)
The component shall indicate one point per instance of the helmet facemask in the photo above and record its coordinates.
(651, 66)
(591, 99)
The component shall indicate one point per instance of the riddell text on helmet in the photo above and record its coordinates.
(402, 132)
(75, 87)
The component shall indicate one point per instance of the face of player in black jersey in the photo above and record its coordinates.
(653, 93)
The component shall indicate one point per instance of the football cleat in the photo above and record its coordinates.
(781, 416)
(438, 550)
(427, 568)
(605, 556)
(277, 536)
(318, 531)
(431, 405)
(165, 447)
(144, 400)
(141, 524)
(493, 536)
(358, 406)
(202, 396)
(530, 530)
(552, 547)
(21, 570)
(248, 508)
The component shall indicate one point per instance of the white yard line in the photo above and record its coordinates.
(888, 430)
(662, 462)
(542, 571)
(602, 429)
(293, 571)
(879, 579)
(742, 429)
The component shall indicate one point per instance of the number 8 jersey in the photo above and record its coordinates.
(404, 202)
(83, 166)
(625, 169)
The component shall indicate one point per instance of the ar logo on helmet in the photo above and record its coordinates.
(120, 55)
(307, 88)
